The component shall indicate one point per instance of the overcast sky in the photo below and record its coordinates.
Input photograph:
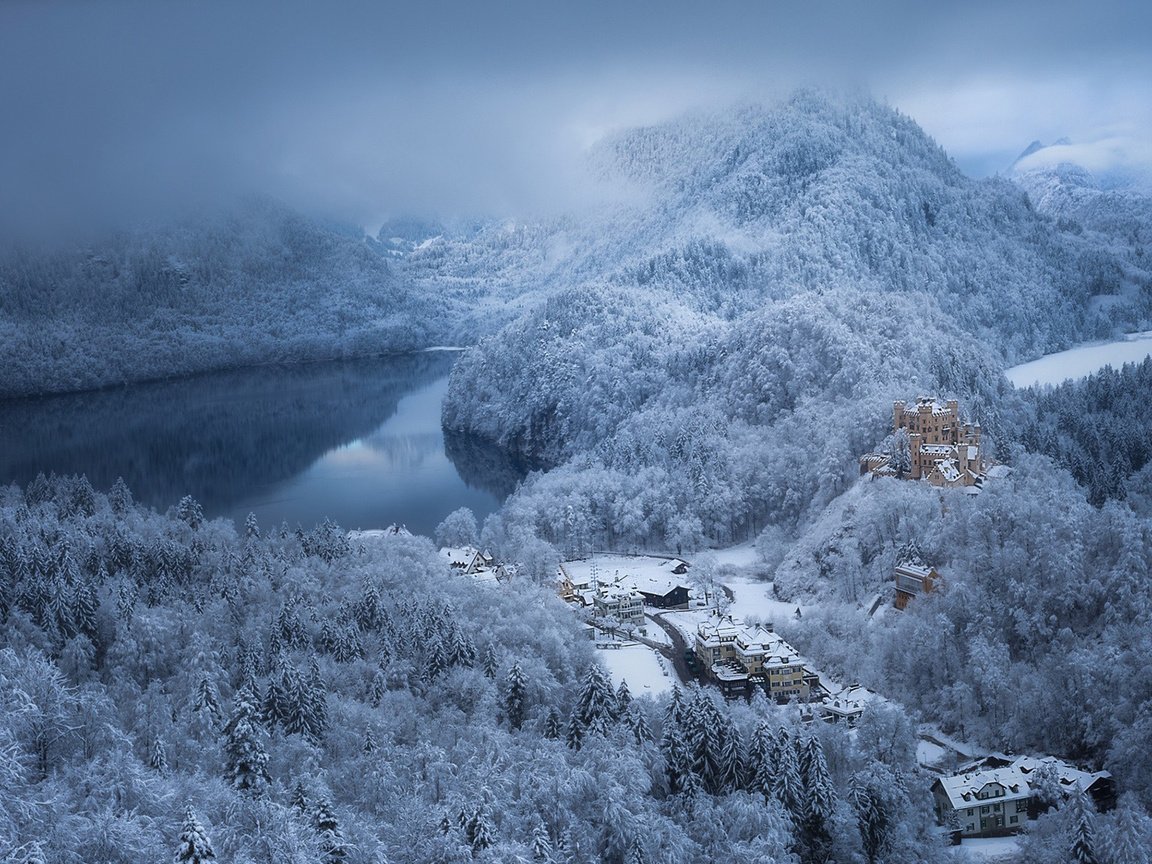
(360, 110)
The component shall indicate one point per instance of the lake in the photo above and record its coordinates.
(1081, 361)
(358, 442)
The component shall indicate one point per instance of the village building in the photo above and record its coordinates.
(942, 449)
(738, 658)
(846, 705)
(619, 602)
(473, 562)
(660, 582)
(994, 796)
(913, 579)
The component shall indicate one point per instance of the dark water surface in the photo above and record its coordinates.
(358, 442)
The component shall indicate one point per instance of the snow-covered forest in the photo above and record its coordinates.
(695, 362)
(170, 682)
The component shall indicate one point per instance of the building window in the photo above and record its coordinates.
(984, 808)
(983, 824)
(1021, 806)
(1013, 819)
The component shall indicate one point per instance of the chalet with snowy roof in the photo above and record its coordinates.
(942, 449)
(620, 602)
(994, 796)
(738, 658)
(847, 705)
(470, 561)
(466, 559)
(913, 579)
(660, 582)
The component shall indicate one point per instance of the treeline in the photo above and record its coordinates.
(1096, 427)
(262, 284)
(173, 685)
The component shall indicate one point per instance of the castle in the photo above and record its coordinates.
(940, 448)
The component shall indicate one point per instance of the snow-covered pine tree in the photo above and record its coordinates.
(1129, 843)
(787, 784)
(491, 662)
(246, 761)
(541, 844)
(515, 691)
(1082, 828)
(820, 794)
(158, 757)
(207, 701)
(194, 846)
(637, 723)
(575, 738)
(623, 698)
(596, 697)
(553, 725)
(332, 846)
(251, 526)
(870, 815)
(189, 511)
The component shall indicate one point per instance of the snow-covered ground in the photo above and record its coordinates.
(980, 849)
(1081, 361)
(751, 599)
(640, 666)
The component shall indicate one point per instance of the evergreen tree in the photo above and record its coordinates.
(623, 698)
(194, 847)
(190, 512)
(1128, 839)
(638, 724)
(514, 697)
(246, 761)
(332, 846)
(541, 844)
(760, 770)
(871, 816)
(596, 698)
(207, 701)
(158, 758)
(575, 738)
(120, 497)
(251, 527)
(552, 725)
(491, 663)
(787, 785)
(819, 793)
(478, 830)
(1082, 827)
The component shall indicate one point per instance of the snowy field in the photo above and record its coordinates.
(640, 666)
(752, 600)
(981, 849)
(1081, 361)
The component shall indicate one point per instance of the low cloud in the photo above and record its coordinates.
(124, 110)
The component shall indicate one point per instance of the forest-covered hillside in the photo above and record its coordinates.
(260, 284)
(171, 685)
(740, 338)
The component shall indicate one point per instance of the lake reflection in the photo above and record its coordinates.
(358, 442)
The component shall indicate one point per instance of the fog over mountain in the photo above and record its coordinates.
(125, 110)
(698, 261)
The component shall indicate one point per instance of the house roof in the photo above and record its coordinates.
(642, 573)
(961, 789)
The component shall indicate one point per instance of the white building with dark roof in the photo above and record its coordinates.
(995, 795)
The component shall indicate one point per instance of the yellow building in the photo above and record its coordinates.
(941, 448)
(737, 658)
